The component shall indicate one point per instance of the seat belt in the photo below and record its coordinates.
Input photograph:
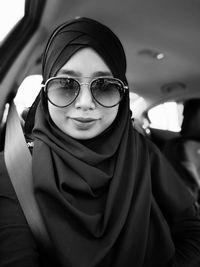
(18, 161)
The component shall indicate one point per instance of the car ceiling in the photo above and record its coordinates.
(146, 28)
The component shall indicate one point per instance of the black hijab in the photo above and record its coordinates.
(96, 196)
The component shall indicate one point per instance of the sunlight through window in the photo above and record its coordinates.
(27, 92)
(167, 116)
(11, 11)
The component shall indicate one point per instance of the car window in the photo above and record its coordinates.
(166, 116)
(27, 92)
(10, 13)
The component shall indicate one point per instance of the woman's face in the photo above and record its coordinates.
(84, 118)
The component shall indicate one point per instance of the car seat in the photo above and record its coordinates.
(184, 152)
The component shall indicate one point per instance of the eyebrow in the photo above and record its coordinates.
(78, 74)
(68, 72)
(102, 73)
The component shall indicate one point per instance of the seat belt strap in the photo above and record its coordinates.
(19, 165)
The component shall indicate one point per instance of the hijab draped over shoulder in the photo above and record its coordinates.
(95, 195)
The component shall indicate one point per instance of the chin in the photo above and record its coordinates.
(80, 135)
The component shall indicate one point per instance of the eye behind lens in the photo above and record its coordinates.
(61, 92)
(107, 92)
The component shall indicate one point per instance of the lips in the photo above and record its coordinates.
(84, 120)
(84, 123)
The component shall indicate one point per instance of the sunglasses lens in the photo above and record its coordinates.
(62, 91)
(107, 92)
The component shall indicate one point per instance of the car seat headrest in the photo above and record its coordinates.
(191, 121)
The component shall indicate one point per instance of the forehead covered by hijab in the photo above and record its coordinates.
(79, 33)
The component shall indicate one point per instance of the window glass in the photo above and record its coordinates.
(166, 116)
(137, 105)
(27, 92)
(11, 11)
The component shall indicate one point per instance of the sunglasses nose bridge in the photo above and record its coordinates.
(85, 99)
(84, 83)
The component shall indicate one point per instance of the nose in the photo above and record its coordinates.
(85, 100)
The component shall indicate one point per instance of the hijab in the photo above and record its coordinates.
(95, 195)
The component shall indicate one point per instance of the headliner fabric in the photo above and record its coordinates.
(96, 196)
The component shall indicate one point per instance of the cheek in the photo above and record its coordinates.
(56, 114)
(110, 115)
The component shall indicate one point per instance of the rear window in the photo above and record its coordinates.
(166, 116)
(27, 92)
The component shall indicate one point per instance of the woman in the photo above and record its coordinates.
(106, 194)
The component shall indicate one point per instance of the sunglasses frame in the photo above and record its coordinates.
(44, 86)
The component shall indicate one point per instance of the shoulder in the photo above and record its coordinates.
(146, 142)
(6, 188)
(3, 170)
(18, 246)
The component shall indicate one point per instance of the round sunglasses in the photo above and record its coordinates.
(63, 91)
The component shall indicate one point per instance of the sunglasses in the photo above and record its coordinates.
(63, 91)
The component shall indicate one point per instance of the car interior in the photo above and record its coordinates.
(161, 40)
